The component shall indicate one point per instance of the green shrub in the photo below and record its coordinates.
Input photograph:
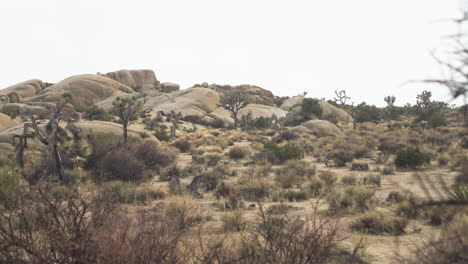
(161, 134)
(173, 171)
(96, 113)
(311, 107)
(377, 224)
(411, 157)
(396, 197)
(283, 153)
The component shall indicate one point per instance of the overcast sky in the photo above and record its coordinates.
(370, 48)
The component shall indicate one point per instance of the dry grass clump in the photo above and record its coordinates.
(359, 166)
(256, 190)
(184, 212)
(213, 159)
(184, 145)
(316, 187)
(351, 200)
(173, 172)
(412, 208)
(123, 192)
(376, 224)
(329, 179)
(349, 180)
(228, 197)
(372, 180)
(294, 196)
(280, 208)
(234, 221)
(238, 153)
(396, 197)
(294, 174)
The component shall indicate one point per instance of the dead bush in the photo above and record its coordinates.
(234, 221)
(120, 164)
(238, 153)
(228, 197)
(184, 145)
(154, 156)
(359, 166)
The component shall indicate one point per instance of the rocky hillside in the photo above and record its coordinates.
(199, 103)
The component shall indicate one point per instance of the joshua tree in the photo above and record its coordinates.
(390, 100)
(341, 98)
(234, 101)
(127, 109)
(20, 141)
(53, 134)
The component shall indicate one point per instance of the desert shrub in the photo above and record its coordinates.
(9, 187)
(390, 145)
(100, 144)
(450, 247)
(412, 208)
(120, 164)
(216, 123)
(388, 169)
(96, 113)
(349, 180)
(262, 122)
(280, 208)
(367, 113)
(316, 187)
(340, 156)
(280, 154)
(228, 197)
(198, 159)
(294, 173)
(442, 215)
(311, 107)
(462, 178)
(411, 157)
(459, 193)
(351, 200)
(143, 134)
(123, 192)
(359, 166)
(154, 156)
(184, 213)
(171, 172)
(443, 160)
(238, 153)
(372, 180)
(161, 134)
(184, 145)
(328, 178)
(213, 159)
(396, 197)
(295, 196)
(287, 136)
(258, 171)
(234, 221)
(256, 190)
(376, 224)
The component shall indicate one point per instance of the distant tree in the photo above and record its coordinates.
(430, 111)
(391, 109)
(127, 109)
(234, 101)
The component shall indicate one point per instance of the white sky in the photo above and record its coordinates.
(368, 47)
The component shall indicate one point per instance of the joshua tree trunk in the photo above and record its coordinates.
(235, 120)
(125, 133)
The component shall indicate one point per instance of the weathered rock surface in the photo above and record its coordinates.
(330, 112)
(6, 122)
(168, 87)
(257, 94)
(138, 80)
(318, 128)
(87, 89)
(191, 102)
(25, 89)
(87, 128)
